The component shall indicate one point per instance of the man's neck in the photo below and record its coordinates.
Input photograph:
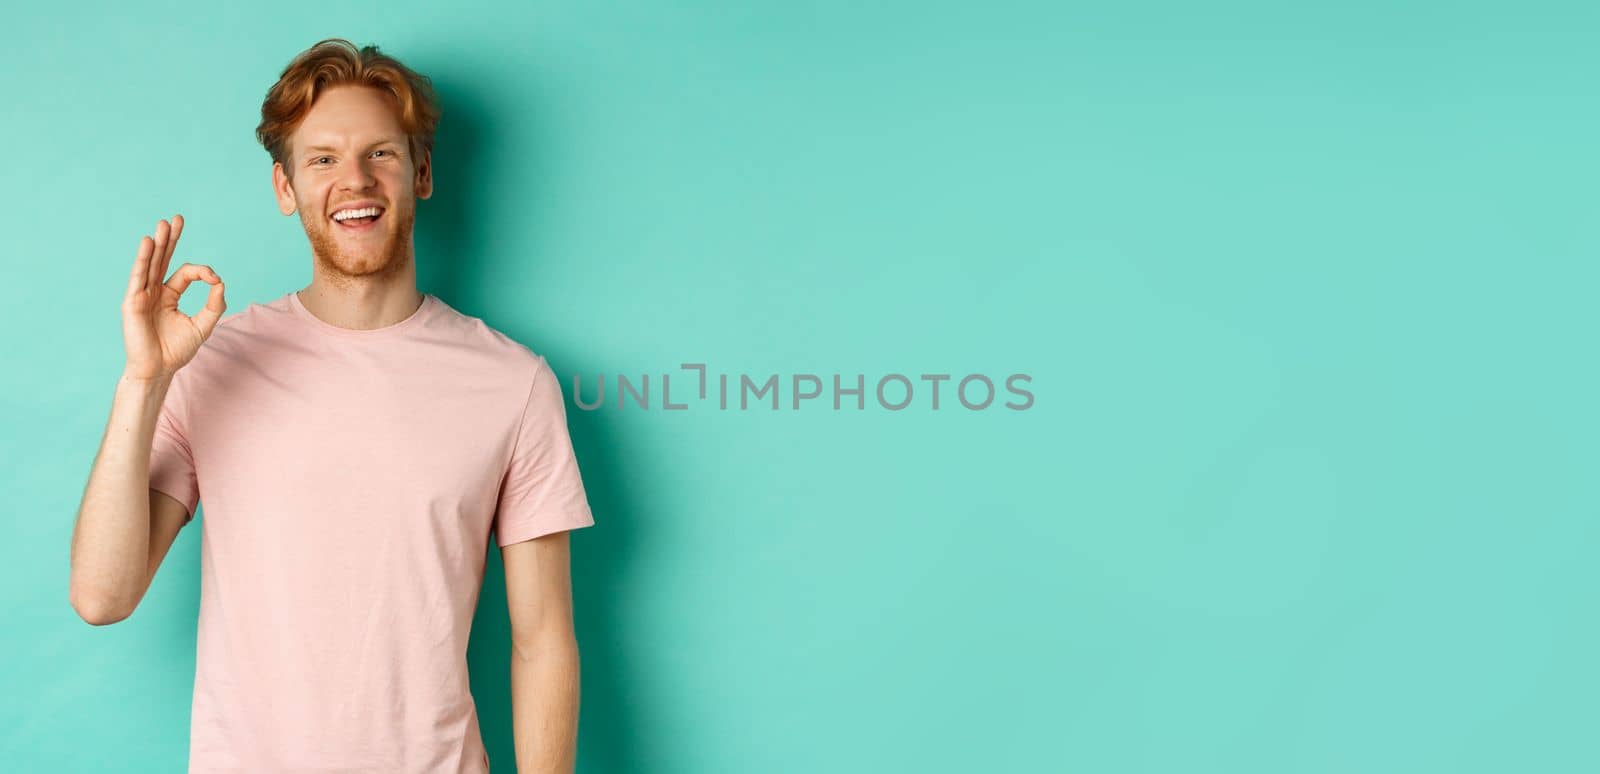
(361, 306)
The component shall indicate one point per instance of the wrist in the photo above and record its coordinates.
(132, 379)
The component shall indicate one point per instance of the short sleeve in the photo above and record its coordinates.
(171, 461)
(541, 491)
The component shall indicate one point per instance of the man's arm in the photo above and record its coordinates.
(124, 527)
(112, 542)
(544, 655)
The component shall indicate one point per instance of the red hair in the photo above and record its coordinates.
(337, 62)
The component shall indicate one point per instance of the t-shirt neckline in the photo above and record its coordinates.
(421, 312)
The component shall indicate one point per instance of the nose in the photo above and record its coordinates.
(355, 176)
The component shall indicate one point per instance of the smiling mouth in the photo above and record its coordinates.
(359, 224)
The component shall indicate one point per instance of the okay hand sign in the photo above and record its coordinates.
(159, 338)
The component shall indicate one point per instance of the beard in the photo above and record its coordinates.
(375, 259)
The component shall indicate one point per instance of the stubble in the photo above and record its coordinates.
(338, 263)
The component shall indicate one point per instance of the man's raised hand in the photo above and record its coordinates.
(159, 338)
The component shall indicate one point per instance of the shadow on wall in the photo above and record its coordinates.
(449, 241)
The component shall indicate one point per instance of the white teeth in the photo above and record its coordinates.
(344, 215)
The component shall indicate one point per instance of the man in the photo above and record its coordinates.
(356, 443)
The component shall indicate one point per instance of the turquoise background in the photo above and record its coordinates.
(1306, 294)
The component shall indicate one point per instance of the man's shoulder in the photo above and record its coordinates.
(254, 316)
(237, 331)
(476, 336)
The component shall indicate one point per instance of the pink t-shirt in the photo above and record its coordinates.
(351, 481)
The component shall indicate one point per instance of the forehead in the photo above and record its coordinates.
(348, 116)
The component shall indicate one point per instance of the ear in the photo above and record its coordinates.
(283, 190)
(424, 185)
